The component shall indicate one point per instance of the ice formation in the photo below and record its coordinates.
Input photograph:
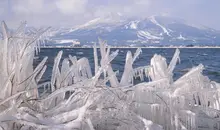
(76, 99)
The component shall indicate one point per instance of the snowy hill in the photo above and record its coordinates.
(154, 30)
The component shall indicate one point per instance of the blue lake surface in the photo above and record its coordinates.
(190, 57)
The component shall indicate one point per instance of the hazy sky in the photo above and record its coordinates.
(74, 12)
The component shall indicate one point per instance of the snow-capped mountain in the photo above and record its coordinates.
(154, 30)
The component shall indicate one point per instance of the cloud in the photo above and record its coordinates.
(69, 7)
(42, 7)
(73, 12)
(44, 12)
(27, 7)
(3, 7)
(2, 11)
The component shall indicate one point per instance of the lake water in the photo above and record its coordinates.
(190, 57)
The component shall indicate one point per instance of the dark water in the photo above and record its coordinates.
(210, 58)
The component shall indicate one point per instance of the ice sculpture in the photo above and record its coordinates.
(76, 99)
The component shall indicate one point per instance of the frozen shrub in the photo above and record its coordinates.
(76, 99)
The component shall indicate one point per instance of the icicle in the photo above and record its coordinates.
(113, 55)
(5, 30)
(105, 63)
(140, 71)
(90, 124)
(5, 47)
(174, 61)
(95, 58)
(84, 67)
(41, 74)
(136, 54)
(65, 68)
(102, 45)
(127, 74)
(159, 71)
(55, 70)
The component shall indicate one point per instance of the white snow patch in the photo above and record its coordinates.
(73, 41)
(181, 37)
(152, 19)
(132, 25)
(145, 34)
(90, 23)
(96, 21)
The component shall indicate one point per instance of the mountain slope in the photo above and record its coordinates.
(154, 30)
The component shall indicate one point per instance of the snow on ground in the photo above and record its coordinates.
(107, 19)
(74, 41)
(132, 25)
(181, 37)
(152, 19)
(90, 23)
(145, 34)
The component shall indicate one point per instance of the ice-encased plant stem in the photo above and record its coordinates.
(76, 99)
(18, 77)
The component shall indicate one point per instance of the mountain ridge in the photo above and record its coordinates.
(153, 30)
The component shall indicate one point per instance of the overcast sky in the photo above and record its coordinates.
(74, 12)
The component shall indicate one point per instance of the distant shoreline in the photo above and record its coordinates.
(134, 47)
